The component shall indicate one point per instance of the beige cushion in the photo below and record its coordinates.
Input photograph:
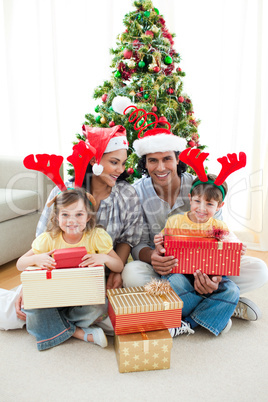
(14, 203)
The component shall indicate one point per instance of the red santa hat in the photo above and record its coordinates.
(153, 140)
(105, 140)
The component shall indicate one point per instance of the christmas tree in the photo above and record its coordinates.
(146, 73)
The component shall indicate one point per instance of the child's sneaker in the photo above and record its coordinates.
(184, 329)
(247, 310)
(227, 328)
(99, 337)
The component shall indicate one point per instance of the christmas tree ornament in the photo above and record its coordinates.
(178, 70)
(130, 170)
(104, 140)
(97, 109)
(136, 174)
(154, 29)
(103, 120)
(147, 14)
(156, 10)
(104, 98)
(111, 109)
(98, 119)
(136, 42)
(181, 99)
(120, 103)
(131, 63)
(156, 69)
(162, 121)
(141, 64)
(139, 95)
(151, 67)
(168, 60)
(170, 91)
(132, 93)
(191, 143)
(146, 96)
(154, 109)
(149, 33)
(127, 54)
(117, 74)
(112, 123)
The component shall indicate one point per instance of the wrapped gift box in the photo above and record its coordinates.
(134, 310)
(63, 287)
(143, 351)
(211, 256)
(69, 257)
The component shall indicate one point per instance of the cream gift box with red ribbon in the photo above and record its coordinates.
(196, 251)
(135, 310)
(143, 351)
(63, 287)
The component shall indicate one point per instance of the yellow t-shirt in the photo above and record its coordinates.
(97, 241)
(183, 222)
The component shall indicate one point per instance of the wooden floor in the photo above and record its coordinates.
(10, 276)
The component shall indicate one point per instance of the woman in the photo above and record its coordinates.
(118, 207)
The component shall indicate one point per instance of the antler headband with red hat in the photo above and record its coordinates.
(50, 166)
(105, 140)
(153, 140)
(230, 163)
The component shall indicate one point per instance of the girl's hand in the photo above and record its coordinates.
(45, 260)
(92, 260)
(18, 306)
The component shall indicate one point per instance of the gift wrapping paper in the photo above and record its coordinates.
(63, 287)
(134, 310)
(211, 256)
(143, 351)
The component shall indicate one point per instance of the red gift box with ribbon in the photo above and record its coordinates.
(135, 310)
(195, 251)
(69, 257)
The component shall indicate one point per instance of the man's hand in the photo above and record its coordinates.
(18, 306)
(114, 281)
(204, 284)
(161, 264)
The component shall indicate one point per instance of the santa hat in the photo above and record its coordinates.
(156, 139)
(105, 140)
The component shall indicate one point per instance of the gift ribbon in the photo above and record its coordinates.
(220, 243)
(146, 342)
(163, 297)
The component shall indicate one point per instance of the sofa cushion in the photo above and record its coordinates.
(14, 203)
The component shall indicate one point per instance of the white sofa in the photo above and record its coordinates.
(23, 194)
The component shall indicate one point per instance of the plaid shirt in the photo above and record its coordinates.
(119, 214)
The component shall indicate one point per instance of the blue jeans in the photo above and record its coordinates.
(211, 311)
(52, 326)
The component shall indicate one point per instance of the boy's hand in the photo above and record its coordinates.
(45, 260)
(203, 284)
(159, 242)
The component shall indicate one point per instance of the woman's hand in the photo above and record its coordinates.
(19, 305)
(203, 284)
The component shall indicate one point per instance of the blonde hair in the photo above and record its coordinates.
(66, 198)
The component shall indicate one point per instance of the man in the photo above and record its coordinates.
(164, 192)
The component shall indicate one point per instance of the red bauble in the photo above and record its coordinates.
(139, 95)
(181, 99)
(130, 170)
(136, 42)
(149, 33)
(104, 98)
(191, 144)
(162, 121)
(112, 123)
(154, 109)
(141, 89)
(156, 69)
(127, 54)
(170, 91)
(178, 69)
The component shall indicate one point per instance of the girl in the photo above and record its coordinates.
(72, 224)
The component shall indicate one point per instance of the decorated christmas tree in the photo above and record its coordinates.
(146, 73)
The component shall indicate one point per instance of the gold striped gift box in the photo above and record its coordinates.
(134, 310)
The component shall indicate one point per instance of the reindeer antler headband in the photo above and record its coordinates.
(50, 166)
(153, 140)
(230, 163)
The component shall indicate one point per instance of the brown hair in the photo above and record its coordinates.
(209, 191)
(66, 198)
